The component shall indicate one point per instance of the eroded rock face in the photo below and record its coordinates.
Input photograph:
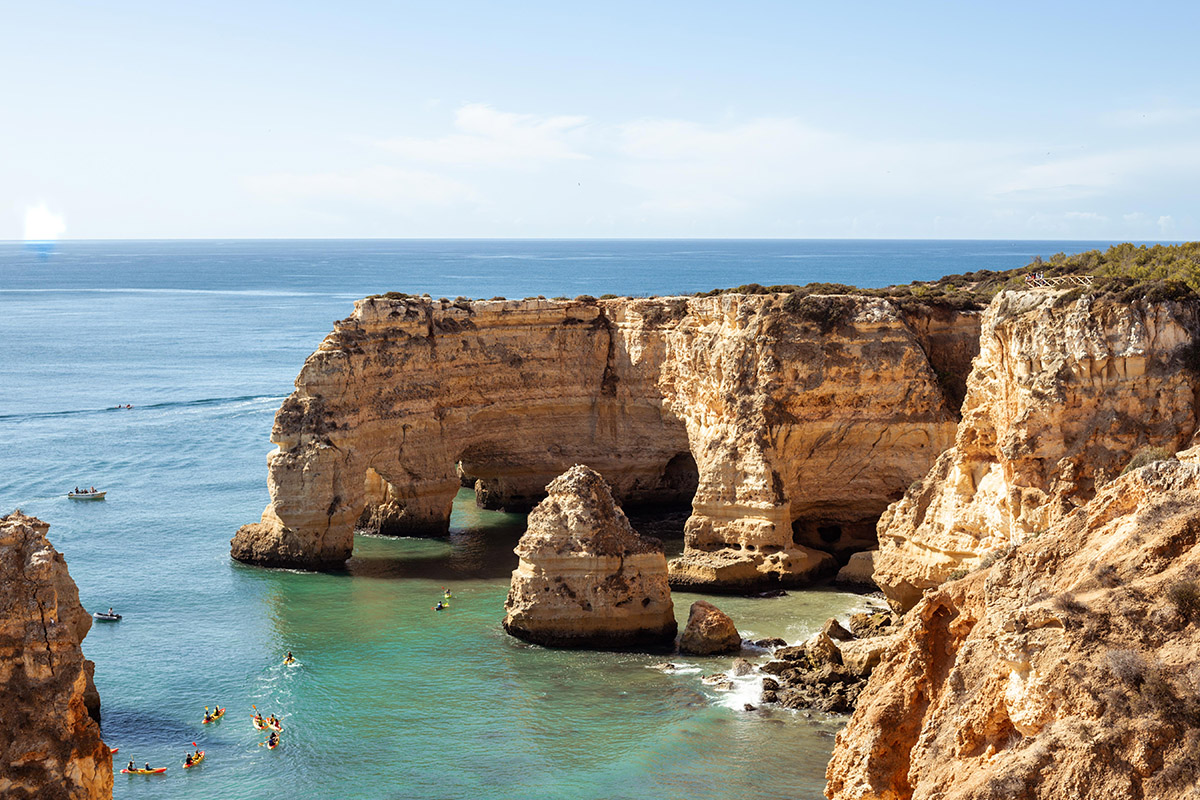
(50, 747)
(1065, 670)
(586, 578)
(709, 631)
(1060, 398)
(788, 425)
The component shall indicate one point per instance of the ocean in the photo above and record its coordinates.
(389, 699)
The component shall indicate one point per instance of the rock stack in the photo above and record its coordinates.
(586, 579)
(50, 746)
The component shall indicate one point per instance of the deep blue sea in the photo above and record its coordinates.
(389, 699)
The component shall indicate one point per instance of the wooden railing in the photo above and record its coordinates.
(1039, 281)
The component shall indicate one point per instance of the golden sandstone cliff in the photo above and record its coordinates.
(586, 578)
(50, 747)
(788, 424)
(1067, 669)
(1061, 396)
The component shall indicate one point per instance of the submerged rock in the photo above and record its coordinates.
(586, 578)
(50, 746)
(709, 631)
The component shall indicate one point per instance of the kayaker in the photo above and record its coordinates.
(147, 766)
(288, 659)
(208, 715)
(131, 767)
(439, 606)
(187, 762)
(273, 722)
(273, 739)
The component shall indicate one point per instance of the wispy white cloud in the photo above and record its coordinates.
(484, 136)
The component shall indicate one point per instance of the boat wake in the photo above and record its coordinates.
(208, 401)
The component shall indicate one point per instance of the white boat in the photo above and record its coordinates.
(86, 495)
(103, 617)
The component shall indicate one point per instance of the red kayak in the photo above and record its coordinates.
(158, 771)
(216, 715)
(115, 749)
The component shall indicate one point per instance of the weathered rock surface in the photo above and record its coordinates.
(50, 747)
(1060, 398)
(858, 572)
(586, 578)
(709, 631)
(1065, 670)
(788, 425)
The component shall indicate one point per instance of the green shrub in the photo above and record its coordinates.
(1185, 595)
(1148, 455)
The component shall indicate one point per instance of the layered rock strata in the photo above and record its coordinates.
(1061, 396)
(788, 424)
(1064, 670)
(50, 746)
(586, 578)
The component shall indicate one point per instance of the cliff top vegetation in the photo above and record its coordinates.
(1123, 272)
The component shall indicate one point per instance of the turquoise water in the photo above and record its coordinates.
(390, 699)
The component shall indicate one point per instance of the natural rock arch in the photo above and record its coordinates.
(407, 395)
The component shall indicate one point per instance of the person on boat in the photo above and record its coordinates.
(110, 612)
(274, 722)
(76, 490)
(131, 767)
(187, 762)
(288, 658)
(273, 739)
(92, 490)
(147, 766)
(439, 606)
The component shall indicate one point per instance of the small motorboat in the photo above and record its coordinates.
(104, 616)
(96, 495)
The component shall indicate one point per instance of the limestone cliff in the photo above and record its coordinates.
(789, 425)
(586, 578)
(50, 747)
(1061, 395)
(1064, 670)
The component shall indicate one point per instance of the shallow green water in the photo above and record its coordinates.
(390, 699)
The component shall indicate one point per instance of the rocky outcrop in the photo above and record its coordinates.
(830, 670)
(858, 572)
(50, 747)
(789, 423)
(1060, 398)
(586, 578)
(1063, 670)
(709, 631)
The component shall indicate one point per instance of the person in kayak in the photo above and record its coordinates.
(187, 762)
(439, 606)
(273, 722)
(288, 658)
(273, 739)
(131, 767)
(208, 715)
(147, 766)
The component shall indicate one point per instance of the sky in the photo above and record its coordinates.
(519, 119)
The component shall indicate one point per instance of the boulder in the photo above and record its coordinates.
(709, 631)
(861, 655)
(857, 572)
(585, 578)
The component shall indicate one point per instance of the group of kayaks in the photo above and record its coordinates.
(269, 723)
(444, 603)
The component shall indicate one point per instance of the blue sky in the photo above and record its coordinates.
(465, 119)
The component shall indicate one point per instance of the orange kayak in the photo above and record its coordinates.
(220, 712)
(195, 760)
(158, 771)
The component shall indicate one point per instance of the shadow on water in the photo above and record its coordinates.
(482, 553)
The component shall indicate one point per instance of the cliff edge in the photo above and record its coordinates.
(50, 747)
(1064, 670)
(1061, 396)
(788, 424)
